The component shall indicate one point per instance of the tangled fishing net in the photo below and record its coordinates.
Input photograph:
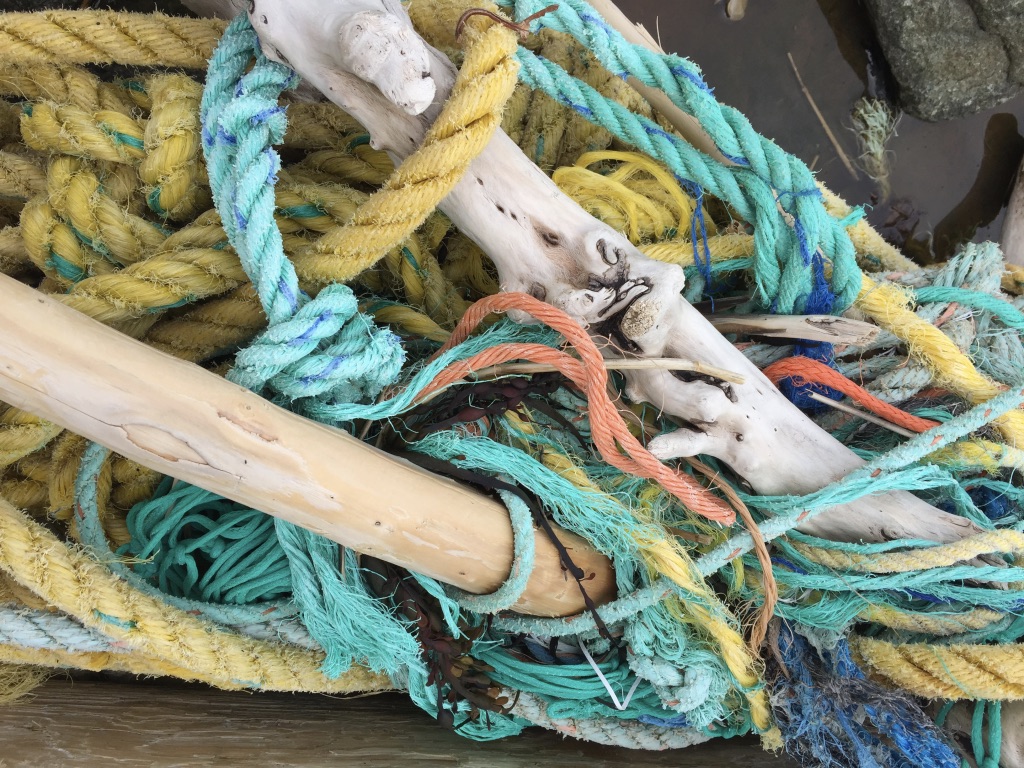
(155, 203)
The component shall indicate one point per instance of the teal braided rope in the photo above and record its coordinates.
(784, 179)
(314, 348)
(1007, 314)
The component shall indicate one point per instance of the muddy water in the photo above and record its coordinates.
(953, 176)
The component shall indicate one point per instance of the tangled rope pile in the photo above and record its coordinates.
(107, 186)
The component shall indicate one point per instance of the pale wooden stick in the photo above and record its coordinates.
(1012, 236)
(866, 415)
(830, 328)
(821, 119)
(178, 419)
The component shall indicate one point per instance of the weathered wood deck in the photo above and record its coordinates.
(143, 724)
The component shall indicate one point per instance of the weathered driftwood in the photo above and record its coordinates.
(179, 419)
(543, 243)
(1012, 237)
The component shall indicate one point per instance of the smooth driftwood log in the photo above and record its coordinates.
(543, 243)
(179, 419)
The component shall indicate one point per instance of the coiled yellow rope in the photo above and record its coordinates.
(953, 672)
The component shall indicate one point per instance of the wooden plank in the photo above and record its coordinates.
(154, 723)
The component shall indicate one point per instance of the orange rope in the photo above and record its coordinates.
(614, 441)
(804, 370)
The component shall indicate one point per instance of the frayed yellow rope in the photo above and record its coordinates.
(71, 581)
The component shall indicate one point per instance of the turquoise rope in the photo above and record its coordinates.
(763, 177)
(1008, 314)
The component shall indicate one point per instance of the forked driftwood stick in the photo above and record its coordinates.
(178, 419)
(544, 244)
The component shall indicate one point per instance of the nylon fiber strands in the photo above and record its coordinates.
(833, 646)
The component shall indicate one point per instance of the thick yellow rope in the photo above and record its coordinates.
(886, 305)
(71, 581)
(916, 559)
(78, 195)
(62, 84)
(105, 134)
(952, 672)
(462, 130)
(22, 434)
(21, 177)
(173, 170)
(107, 37)
(932, 623)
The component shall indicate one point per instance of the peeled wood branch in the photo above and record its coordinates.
(543, 243)
(181, 420)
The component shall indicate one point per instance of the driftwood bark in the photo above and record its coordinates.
(183, 421)
(543, 243)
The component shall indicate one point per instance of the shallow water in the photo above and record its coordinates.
(955, 174)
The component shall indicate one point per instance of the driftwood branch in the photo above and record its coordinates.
(181, 420)
(542, 243)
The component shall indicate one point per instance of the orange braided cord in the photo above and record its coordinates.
(614, 441)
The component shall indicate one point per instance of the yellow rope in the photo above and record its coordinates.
(22, 434)
(424, 179)
(173, 171)
(72, 582)
(62, 84)
(107, 37)
(932, 622)
(917, 559)
(78, 195)
(886, 305)
(20, 177)
(980, 454)
(952, 672)
(102, 135)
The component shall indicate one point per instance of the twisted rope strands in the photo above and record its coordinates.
(886, 305)
(353, 164)
(13, 255)
(464, 127)
(74, 583)
(173, 170)
(22, 434)
(990, 542)
(165, 280)
(103, 134)
(25, 484)
(107, 37)
(78, 195)
(62, 84)
(53, 246)
(212, 328)
(952, 672)
(935, 623)
(21, 177)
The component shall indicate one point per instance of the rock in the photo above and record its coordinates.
(952, 57)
